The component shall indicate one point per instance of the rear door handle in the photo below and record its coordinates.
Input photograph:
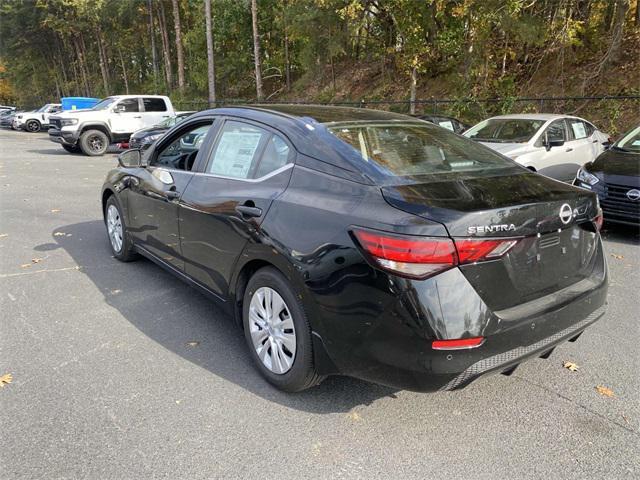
(139, 116)
(247, 211)
(569, 150)
(595, 141)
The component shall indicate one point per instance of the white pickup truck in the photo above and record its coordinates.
(35, 120)
(112, 120)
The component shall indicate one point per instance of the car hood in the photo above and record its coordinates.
(82, 113)
(616, 162)
(506, 148)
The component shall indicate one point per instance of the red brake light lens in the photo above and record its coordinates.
(422, 257)
(457, 344)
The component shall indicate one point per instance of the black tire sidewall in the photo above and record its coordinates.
(26, 126)
(302, 371)
(84, 145)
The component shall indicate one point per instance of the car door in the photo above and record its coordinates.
(155, 192)
(126, 116)
(553, 161)
(155, 111)
(225, 203)
(580, 143)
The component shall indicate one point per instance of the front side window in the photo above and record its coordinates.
(414, 149)
(181, 153)
(555, 132)
(630, 142)
(128, 105)
(152, 104)
(247, 151)
(505, 130)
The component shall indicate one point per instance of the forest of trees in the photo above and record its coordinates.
(304, 49)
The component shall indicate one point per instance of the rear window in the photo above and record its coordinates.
(505, 130)
(417, 149)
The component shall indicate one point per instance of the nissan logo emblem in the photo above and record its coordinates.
(566, 213)
(633, 195)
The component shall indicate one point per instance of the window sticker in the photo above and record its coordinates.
(235, 153)
(448, 124)
(578, 130)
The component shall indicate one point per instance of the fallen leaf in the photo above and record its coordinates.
(7, 378)
(36, 260)
(2, 235)
(55, 210)
(116, 291)
(25, 265)
(193, 344)
(355, 416)
(59, 234)
(617, 257)
(607, 392)
(570, 366)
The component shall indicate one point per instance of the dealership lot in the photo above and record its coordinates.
(122, 371)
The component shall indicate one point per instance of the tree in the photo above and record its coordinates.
(179, 48)
(256, 50)
(211, 66)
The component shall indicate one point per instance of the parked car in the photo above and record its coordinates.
(554, 145)
(450, 123)
(4, 108)
(615, 177)
(6, 118)
(112, 120)
(362, 242)
(36, 120)
(145, 137)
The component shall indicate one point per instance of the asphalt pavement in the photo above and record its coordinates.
(121, 371)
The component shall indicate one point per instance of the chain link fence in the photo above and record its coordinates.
(612, 113)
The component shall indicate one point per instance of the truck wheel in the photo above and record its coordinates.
(71, 148)
(32, 126)
(94, 143)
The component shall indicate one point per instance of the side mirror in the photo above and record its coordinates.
(118, 109)
(130, 159)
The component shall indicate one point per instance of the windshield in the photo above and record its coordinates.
(104, 104)
(42, 109)
(630, 142)
(505, 130)
(416, 149)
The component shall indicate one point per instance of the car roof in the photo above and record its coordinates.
(534, 116)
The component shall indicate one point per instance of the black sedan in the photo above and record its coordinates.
(615, 177)
(364, 243)
(145, 137)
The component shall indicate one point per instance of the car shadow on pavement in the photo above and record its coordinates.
(186, 322)
(620, 233)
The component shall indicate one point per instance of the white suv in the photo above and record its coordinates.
(553, 145)
(35, 120)
(112, 120)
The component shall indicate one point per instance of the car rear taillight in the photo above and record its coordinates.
(457, 344)
(421, 257)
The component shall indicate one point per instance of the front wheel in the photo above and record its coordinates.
(32, 126)
(278, 333)
(121, 245)
(94, 143)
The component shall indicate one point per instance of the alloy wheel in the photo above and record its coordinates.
(114, 228)
(95, 143)
(33, 126)
(272, 330)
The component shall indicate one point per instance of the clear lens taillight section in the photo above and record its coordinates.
(421, 257)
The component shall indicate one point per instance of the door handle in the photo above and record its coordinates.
(138, 116)
(569, 150)
(172, 195)
(247, 211)
(595, 141)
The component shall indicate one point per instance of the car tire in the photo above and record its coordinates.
(94, 143)
(263, 340)
(119, 240)
(71, 148)
(32, 126)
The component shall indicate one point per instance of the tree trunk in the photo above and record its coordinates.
(414, 83)
(179, 49)
(638, 13)
(287, 61)
(622, 6)
(124, 72)
(211, 66)
(166, 46)
(256, 49)
(103, 62)
(154, 53)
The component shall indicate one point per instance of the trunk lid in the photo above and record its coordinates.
(558, 245)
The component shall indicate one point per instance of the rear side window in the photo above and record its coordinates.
(578, 128)
(154, 104)
(246, 151)
(416, 149)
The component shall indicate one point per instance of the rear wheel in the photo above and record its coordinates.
(71, 148)
(94, 143)
(121, 245)
(278, 333)
(32, 126)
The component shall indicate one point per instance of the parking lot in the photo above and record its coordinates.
(123, 371)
